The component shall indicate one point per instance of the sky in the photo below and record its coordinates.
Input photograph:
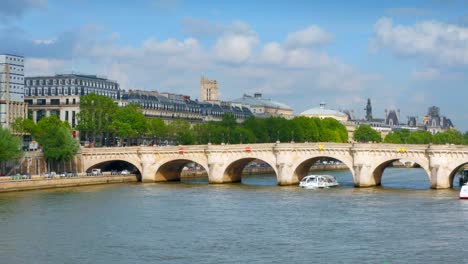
(406, 55)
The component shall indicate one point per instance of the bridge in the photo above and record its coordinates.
(289, 161)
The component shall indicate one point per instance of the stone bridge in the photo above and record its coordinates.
(290, 161)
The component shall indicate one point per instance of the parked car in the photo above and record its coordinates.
(125, 172)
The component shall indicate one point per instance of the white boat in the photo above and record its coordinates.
(318, 181)
(464, 192)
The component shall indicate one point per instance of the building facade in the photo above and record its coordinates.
(209, 90)
(170, 107)
(60, 94)
(435, 122)
(12, 104)
(262, 107)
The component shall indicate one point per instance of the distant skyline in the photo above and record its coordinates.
(406, 55)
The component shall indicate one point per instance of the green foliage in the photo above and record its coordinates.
(156, 128)
(180, 132)
(365, 133)
(331, 130)
(96, 115)
(451, 136)
(55, 138)
(129, 122)
(10, 146)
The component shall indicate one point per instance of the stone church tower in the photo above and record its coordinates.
(208, 90)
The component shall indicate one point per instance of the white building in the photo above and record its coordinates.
(12, 103)
(322, 112)
(60, 94)
(263, 107)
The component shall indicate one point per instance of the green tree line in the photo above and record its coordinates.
(364, 133)
(103, 122)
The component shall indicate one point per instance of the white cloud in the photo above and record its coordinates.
(236, 46)
(426, 74)
(272, 53)
(431, 41)
(237, 59)
(310, 36)
(171, 46)
(45, 41)
(42, 66)
(434, 74)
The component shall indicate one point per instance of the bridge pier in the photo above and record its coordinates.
(286, 175)
(364, 176)
(440, 177)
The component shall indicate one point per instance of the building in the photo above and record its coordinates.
(262, 107)
(392, 117)
(209, 90)
(322, 112)
(168, 107)
(60, 94)
(12, 104)
(434, 122)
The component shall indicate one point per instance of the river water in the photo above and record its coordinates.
(254, 222)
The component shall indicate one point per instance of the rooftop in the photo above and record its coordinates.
(323, 111)
(258, 100)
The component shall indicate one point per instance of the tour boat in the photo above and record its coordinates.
(464, 192)
(318, 181)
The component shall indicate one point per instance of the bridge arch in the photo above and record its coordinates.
(117, 165)
(454, 170)
(171, 169)
(302, 167)
(233, 170)
(381, 164)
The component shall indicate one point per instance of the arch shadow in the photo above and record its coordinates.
(320, 163)
(116, 167)
(234, 171)
(378, 171)
(458, 169)
(172, 170)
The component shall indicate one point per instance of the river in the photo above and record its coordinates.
(253, 222)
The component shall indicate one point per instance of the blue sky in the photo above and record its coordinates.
(406, 55)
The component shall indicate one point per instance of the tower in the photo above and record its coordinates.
(12, 103)
(208, 90)
(368, 110)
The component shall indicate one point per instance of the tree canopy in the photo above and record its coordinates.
(10, 146)
(365, 133)
(55, 138)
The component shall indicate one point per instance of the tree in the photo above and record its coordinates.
(96, 115)
(332, 130)
(10, 146)
(157, 129)
(180, 132)
(129, 122)
(307, 129)
(55, 138)
(451, 136)
(365, 133)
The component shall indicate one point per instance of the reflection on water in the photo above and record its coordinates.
(250, 222)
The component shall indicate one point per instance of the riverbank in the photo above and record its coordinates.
(38, 182)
